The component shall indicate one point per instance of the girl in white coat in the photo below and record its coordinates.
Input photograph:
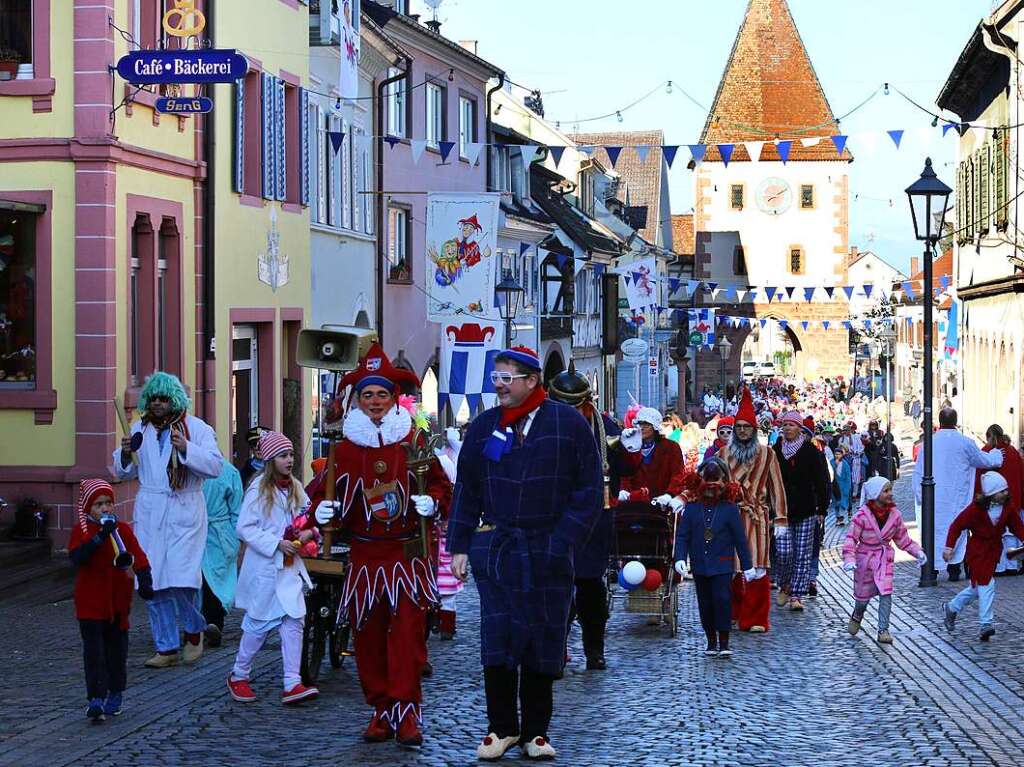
(272, 580)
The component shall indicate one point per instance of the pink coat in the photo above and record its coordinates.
(871, 550)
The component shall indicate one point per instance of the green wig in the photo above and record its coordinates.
(162, 384)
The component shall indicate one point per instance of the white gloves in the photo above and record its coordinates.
(451, 434)
(631, 440)
(849, 567)
(922, 559)
(662, 500)
(677, 505)
(749, 575)
(425, 505)
(782, 532)
(623, 496)
(326, 510)
(680, 567)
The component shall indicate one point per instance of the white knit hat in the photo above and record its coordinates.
(649, 415)
(992, 482)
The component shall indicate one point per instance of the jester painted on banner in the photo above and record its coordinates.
(390, 584)
(461, 238)
(467, 359)
(641, 281)
(348, 76)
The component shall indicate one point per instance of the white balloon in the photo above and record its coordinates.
(634, 573)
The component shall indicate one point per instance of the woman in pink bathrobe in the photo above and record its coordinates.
(868, 553)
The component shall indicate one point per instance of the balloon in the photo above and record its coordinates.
(652, 580)
(624, 585)
(634, 573)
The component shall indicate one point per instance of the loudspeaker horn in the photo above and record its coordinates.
(339, 348)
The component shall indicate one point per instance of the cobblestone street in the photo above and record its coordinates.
(804, 694)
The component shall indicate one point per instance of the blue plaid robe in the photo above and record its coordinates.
(544, 498)
(592, 555)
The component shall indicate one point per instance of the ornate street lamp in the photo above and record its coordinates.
(509, 293)
(724, 348)
(928, 202)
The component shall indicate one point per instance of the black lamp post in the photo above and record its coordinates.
(509, 293)
(724, 348)
(928, 200)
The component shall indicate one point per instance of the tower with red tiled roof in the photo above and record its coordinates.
(761, 222)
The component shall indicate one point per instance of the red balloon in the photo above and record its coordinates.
(652, 580)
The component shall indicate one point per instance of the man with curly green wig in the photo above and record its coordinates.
(171, 453)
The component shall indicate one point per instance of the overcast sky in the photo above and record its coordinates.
(591, 57)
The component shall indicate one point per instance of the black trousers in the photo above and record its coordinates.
(714, 601)
(213, 609)
(105, 652)
(590, 607)
(502, 686)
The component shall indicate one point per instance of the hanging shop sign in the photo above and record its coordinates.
(214, 65)
(184, 105)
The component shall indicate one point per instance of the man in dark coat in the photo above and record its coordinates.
(528, 492)
(618, 458)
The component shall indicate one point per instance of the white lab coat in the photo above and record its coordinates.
(955, 459)
(171, 524)
(266, 588)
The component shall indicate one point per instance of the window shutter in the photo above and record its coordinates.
(321, 161)
(960, 191)
(969, 198)
(334, 160)
(368, 203)
(346, 174)
(238, 183)
(1002, 192)
(280, 153)
(267, 133)
(976, 192)
(986, 186)
(357, 180)
(304, 150)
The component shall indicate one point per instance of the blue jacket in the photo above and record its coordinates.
(727, 539)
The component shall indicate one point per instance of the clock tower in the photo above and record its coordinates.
(777, 213)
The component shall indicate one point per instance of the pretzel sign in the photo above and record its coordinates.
(190, 21)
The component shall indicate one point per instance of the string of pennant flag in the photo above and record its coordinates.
(909, 289)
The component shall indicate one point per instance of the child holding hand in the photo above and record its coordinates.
(869, 555)
(105, 552)
(273, 578)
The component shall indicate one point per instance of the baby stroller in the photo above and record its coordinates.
(646, 533)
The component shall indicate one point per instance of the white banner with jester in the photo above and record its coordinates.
(467, 359)
(462, 239)
(641, 280)
(348, 76)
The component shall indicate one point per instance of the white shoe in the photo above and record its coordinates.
(492, 747)
(190, 653)
(539, 748)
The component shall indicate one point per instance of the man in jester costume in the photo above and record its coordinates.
(390, 585)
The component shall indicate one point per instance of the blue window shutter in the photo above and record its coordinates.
(304, 139)
(239, 169)
(280, 153)
(267, 119)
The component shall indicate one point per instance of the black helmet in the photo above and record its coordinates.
(570, 387)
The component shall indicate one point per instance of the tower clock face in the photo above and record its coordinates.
(774, 196)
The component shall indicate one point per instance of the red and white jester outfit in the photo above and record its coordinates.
(387, 591)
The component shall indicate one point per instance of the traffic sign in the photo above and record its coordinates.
(652, 367)
(214, 65)
(184, 105)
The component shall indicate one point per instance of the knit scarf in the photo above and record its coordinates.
(790, 448)
(881, 512)
(177, 475)
(500, 441)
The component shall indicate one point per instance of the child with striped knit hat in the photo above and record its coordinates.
(104, 552)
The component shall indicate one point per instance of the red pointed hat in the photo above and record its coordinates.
(376, 369)
(472, 222)
(746, 412)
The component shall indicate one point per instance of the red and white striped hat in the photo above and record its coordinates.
(88, 491)
(272, 444)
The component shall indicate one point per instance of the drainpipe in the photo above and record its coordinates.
(379, 190)
(487, 158)
(209, 217)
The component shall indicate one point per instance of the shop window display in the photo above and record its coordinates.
(17, 300)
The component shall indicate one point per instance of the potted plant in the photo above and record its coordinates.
(9, 60)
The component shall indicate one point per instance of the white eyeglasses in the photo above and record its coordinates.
(504, 377)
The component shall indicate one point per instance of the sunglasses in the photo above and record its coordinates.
(504, 377)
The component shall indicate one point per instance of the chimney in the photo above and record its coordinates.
(469, 45)
(434, 26)
(914, 264)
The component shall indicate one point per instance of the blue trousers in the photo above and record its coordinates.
(985, 595)
(170, 609)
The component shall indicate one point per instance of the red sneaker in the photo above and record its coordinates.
(409, 733)
(298, 693)
(379, 729)
(240, 690)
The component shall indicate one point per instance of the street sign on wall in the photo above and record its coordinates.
(214, 65)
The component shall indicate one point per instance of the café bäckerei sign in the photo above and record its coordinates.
(184, 66)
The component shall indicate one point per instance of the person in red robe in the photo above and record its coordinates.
(1012, 471)
(659, 477)
(390, 585)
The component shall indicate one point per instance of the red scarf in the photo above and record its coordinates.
(509, 415)
(285, 483)
(881, 512)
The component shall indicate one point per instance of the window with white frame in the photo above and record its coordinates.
(396, 101)
(399, 268)
(467, 124)
(501, 173)
(435, 115)
(318, 164)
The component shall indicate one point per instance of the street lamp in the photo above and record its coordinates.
(724, 348)
(928, 200)
(888, 337)
(509, 292)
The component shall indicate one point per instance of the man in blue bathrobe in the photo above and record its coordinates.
(528, 493)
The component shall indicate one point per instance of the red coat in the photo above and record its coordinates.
(1012, 471)
(103, 591)
(663, 473)
(985, 544)
(379, 568)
